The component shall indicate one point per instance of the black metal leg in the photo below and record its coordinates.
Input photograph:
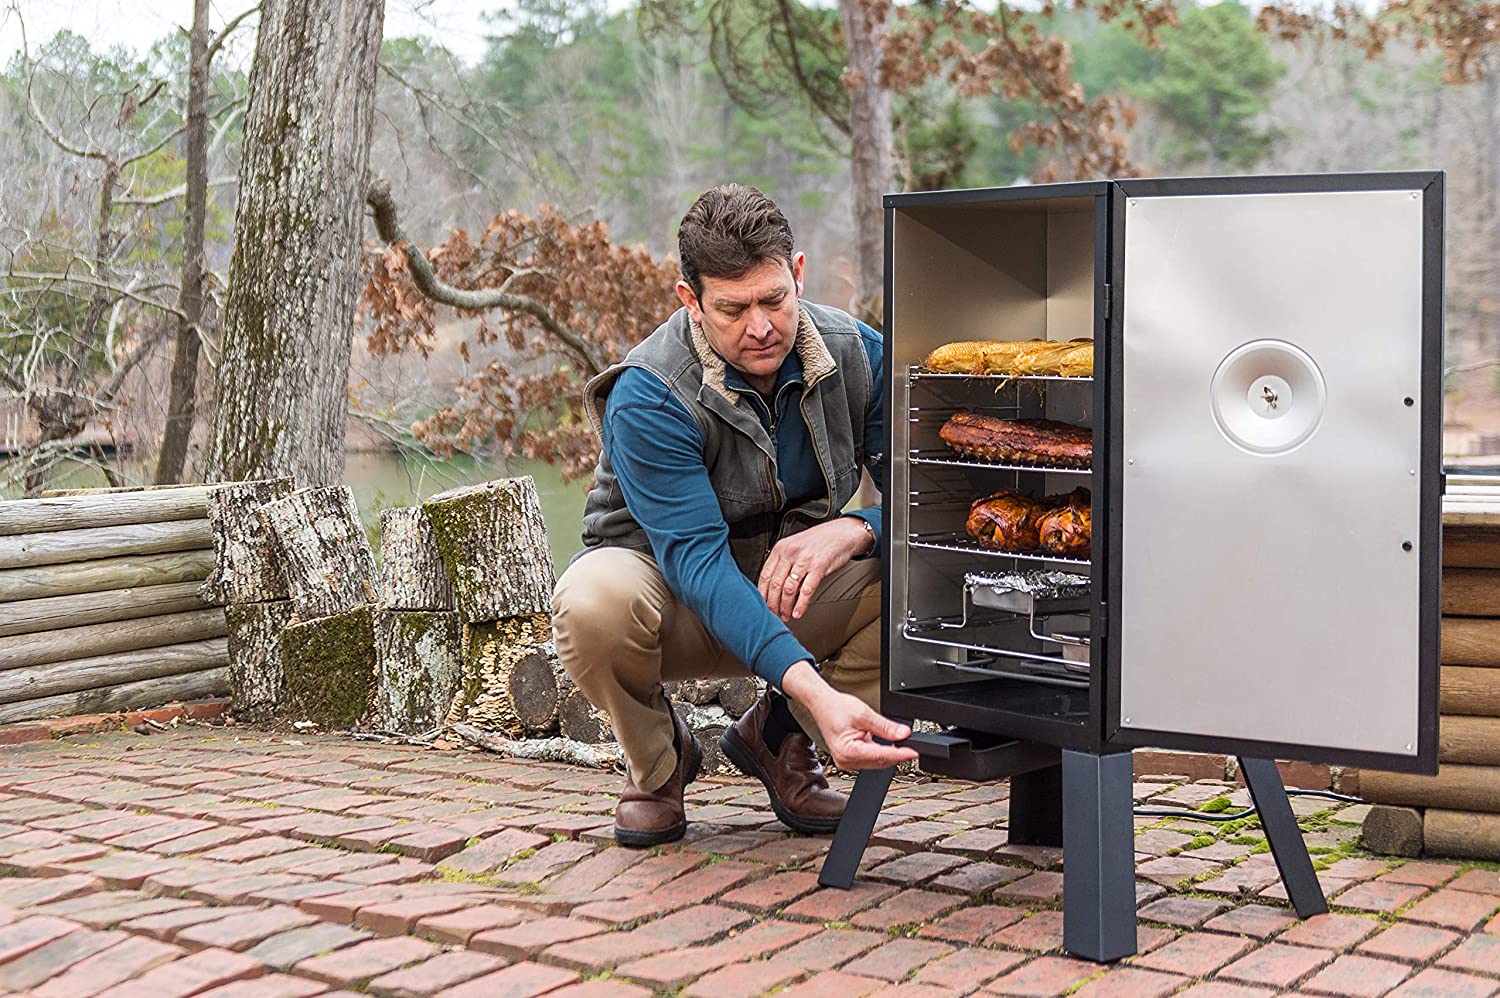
(1036, 807)
(855, 827)
(1098, 856)
(1269, 796)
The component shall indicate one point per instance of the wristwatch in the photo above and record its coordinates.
(869, 532)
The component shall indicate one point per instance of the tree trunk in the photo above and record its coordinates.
(1490, 64)
(247, 565)
(412, 576)
(330, 669)
(322, 547)
(872, 164)
(420, 662)
(283, 377)
(184, 391)
(493, 541)
(257, 676)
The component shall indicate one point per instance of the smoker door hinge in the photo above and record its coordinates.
(1109, 300)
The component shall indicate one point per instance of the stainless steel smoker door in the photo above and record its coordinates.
(1271, 471)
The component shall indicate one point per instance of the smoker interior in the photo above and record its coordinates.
(962, 652)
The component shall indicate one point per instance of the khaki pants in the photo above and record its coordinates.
(620, 633)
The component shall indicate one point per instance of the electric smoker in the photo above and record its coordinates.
(1264, 485)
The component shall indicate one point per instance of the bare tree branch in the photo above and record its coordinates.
(171, 195)
(384, 207)
(224, 32)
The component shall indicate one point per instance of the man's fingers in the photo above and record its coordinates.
(872, 755)
(809, 590)
(878, 724)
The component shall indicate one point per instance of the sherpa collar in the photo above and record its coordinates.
(817, 361)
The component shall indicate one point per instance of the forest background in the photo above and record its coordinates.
(544, 169)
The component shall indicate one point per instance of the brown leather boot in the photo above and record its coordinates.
(793, 777)
(647, 818)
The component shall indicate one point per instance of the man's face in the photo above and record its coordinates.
(750, 321)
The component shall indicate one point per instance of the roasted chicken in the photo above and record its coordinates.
(1010, 521)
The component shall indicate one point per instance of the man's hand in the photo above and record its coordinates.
(799, 563)
(849, 727)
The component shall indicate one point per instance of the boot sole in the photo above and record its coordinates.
(738, 753)
(641, 839)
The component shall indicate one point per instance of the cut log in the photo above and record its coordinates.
(1466, 690)
(25, 516)
(739, 695)
(1471, 641)
(493, 542)
(247, 565)
(1456, 787)
(330, 668)
(1471, 592)
(322, 547)
(1473, 740)
(257, 676)
(104, 574)
(52, 613)
(92, 640)
(420, 661)
(1392, 831)
(508, 686)
(1471, 547)
(187, 686)
(98, 671)
(412, 576)
(58, 546)
(604, 756)
(581, 721)
(694, 691)
(1462, 835)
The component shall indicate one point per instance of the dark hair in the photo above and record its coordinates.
(728, 231)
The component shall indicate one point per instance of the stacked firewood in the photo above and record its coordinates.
(99, 605)
(708, 706)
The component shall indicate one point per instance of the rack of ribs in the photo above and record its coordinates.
(1019, 441)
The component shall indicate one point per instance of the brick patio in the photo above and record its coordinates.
(227, 862)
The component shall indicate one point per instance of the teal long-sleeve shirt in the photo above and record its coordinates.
(656, 450)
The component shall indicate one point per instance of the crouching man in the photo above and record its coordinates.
(733, 437)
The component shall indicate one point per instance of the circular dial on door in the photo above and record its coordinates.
(1268, 397)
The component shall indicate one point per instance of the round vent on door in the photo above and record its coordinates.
(1268, 397)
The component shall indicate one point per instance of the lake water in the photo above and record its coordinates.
(382, 479)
